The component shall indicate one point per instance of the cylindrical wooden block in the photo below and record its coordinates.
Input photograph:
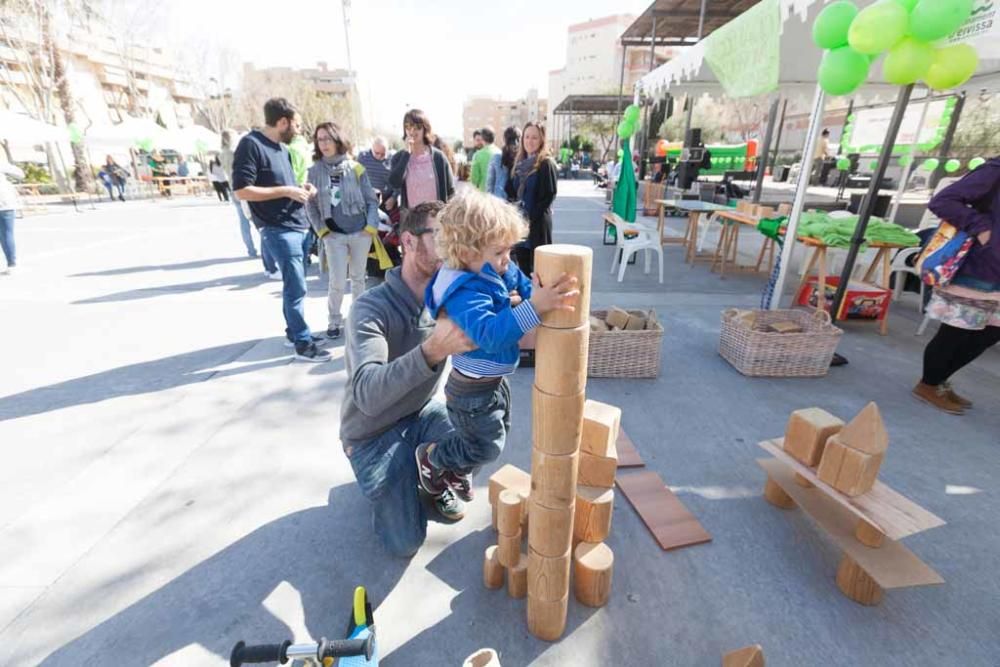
(509, 509)
(548, 578)
(592, 520)
(574, 260)
(492, 569)
(509, 549)
(775, 495)
(553, 479)
(517, 578)
(496, 517)
(856, 584)
(547, 619)
(868, 535)
(556, 421)
(803, 482)
(592, 568)
(550, 530)
(561, 360)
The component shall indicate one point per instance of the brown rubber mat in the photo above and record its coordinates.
(628, 455)
(671, 524)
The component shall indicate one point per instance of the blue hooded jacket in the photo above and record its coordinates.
(479, 303)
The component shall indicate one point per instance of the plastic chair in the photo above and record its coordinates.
(900, 269)
(630, 238)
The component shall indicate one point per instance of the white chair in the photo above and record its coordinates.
(900, 270)
(630, 238)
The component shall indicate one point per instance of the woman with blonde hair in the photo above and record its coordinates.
(532, 186)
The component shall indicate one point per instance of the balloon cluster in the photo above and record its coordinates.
(627, 126)
(902, 29)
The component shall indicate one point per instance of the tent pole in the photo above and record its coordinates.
(621, 91)
(689, 96)
(801, 185)
(765, 150)
(908, 169)
(868, 203)
(781, 127)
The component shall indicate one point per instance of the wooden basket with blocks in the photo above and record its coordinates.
(778, 343)
(624, 344)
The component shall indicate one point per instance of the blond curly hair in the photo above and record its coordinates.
(473, 221)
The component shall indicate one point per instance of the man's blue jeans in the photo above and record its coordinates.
(7, 236)
(481, 417)
(247, 235)
(386, 470)
(285, 245)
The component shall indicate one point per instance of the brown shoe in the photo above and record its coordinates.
(955, 398)
(938, 397)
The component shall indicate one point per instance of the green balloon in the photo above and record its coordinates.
(842, 70)
(873, 165)
(878, 27)
(831, 26)
(843, 164)
(75, 135)
(931, 20)
(952, 66)
(905, 160)
(631, 113)
(908, 5)
(976, 163)
(145, 144)
(930, 164)
(907, 62)
(626, 129)
(951, 166)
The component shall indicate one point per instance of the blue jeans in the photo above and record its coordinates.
(386, 470)
(481, 417)
(285, 245)
(7, 236)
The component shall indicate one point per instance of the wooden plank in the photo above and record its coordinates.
(628, 455)
(892, 565)
(892, 513)
(671, 524)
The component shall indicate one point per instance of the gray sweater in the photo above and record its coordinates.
(387, 376)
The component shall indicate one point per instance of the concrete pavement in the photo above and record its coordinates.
(173, 483)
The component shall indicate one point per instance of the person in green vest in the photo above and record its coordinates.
(482, 157)
(300, 153)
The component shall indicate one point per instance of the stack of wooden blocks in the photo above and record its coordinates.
(848, 456)
(618, 319)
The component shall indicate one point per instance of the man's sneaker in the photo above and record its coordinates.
(428, 476)
(333, 333)
(273, 276)
(309, 352)
(319, 341)
(458, 482)
(449, 506)
(938, 397)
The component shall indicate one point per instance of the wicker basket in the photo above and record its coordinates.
(625, 354)
(759, 353)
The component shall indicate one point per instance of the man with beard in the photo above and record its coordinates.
(395, 357)
(263, 177)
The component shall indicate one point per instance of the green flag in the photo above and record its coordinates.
(624, 200)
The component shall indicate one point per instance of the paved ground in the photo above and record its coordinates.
(172, 483)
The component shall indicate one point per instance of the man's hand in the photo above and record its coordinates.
(296, 193)
(310, 188)
(446, 340)
(984, 237)
(558, 295)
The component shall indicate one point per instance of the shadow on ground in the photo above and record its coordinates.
(180, 266)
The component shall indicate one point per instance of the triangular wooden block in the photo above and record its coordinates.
(748, 656)
(866, 432)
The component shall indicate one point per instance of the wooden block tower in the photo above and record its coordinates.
(558, 397)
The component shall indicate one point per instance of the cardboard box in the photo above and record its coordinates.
(862, 301)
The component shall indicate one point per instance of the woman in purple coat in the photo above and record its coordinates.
(969, 307)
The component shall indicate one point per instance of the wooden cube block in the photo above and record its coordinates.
(748, 656)
(592, 519)
(784, 327)
(848, 470)
(597, 470)
(635, 323)
(652, 322)
(866, 432)
(601, 425)
(617, 317)
(509, 477)
(597, 324)
(807, 433)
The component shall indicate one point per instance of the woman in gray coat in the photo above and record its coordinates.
(344, 215)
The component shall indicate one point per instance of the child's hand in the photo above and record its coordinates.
(515, 299)
(558, 295)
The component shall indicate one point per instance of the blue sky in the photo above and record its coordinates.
(425, 54)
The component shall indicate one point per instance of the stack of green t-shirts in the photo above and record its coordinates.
(837, 232)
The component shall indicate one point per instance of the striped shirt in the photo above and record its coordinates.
(378, 170)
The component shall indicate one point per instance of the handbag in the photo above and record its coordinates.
(943, 255)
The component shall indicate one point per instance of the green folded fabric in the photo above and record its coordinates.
(838, 232)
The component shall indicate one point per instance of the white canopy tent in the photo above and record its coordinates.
(21, 129)
(768, 50)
